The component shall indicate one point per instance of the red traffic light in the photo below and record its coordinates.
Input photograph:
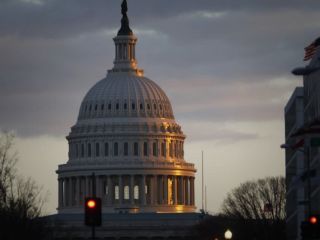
(91, 203)
(313, 220)
(92, 210)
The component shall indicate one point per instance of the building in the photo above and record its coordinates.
(126, 135)
(302, 131)
(294, 163)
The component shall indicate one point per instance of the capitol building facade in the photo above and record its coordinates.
(126, 135)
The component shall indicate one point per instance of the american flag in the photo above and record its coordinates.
(311, 49)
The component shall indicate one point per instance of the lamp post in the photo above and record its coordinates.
(228, 234)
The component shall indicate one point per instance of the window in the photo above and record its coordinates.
(102, 107)
(89, 149)
(115, 149)
(116, 192)
(141, 106)
(155, 150)
(145, 149)
(170, 150)
(136, 192)
(125, 106)
(90, 108)
(97, 149)
(77, 150)
(126, 192)
(155, 106)
(163, 149)
(133, 106)
(96, 107)
(117, 106)
(135, 149)
(125, 149)
(148, 106)
(106, 149)
(109, 106)
(82, 150)
(160, 106)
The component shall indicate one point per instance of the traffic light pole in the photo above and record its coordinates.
(93, 229)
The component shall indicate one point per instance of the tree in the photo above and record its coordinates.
(262, 203)
(21, 199)
(257, 200)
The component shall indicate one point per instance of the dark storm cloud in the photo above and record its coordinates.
(215, 59)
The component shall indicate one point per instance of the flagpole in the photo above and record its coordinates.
(202, 180)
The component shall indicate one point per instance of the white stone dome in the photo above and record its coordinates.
(125, 94)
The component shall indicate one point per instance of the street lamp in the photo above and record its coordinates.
(228, 234)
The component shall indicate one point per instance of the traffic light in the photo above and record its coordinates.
(310, 229)
(92, 210)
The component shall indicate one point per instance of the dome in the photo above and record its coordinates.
(125, 95)
(126, 147)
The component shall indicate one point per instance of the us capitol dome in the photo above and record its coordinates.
(126, 134)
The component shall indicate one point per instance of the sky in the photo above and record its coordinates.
(225, 66)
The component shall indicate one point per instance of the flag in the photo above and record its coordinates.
(310, 50)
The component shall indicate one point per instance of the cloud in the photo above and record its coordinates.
(217, 60)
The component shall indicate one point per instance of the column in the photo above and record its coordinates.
(98, 186)
(175, 192)
(132, 189)
(180, 189)
(192, 191)
(160, 189)
(165, 189)
(70, 191)
(60, 190)
(142, 190)
(110, 189)
(186, 191)
(120, 189)
(151, 190)
(155, 190)
(87, 186)
(77, 197)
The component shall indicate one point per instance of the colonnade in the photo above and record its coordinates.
(128, 190)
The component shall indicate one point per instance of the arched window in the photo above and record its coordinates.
(116, 192)
(97, 149)
(126, 192)
(163, 149)
(135, 149)
(117, 106)
(77, 150)
(125, 106)
(136, 192)
(106, 149)
(96, 107)
(115, 149)
(109, 106)
(89, 149)
(82, 150)
(145, 149)
(154, 106)
(141, 106)
(155, 149)
(125, 149)
(148, 106)
(133, 106)
(170, 150)
(102, 107)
